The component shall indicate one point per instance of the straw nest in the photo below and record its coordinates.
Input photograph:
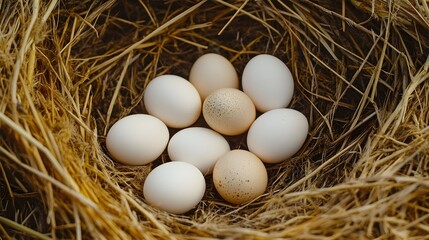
(70, 69)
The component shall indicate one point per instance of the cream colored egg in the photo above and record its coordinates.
(175, 187)
(199, 146)
(212, 72)
(277, 134)
(239, 176)
(174, 100)
(229, 111)
(137, 139)
(268, 82)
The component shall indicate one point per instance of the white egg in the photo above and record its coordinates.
(174, 100)
(211, 72)
(137, 139)
(175, 187)
(229, 111)
(277, 134)
(268, 82)
(199, 146)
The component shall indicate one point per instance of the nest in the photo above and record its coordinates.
(70, 69)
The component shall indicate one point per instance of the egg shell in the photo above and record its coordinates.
(172, 99)
(239, 176)
(211, 72)
(175, 187)
(137, 139)
(229, 111)
(268, 82)
(277, 134)
(199, 146)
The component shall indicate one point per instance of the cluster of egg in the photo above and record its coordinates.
(171, 101)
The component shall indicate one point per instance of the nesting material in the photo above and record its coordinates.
(70, 69)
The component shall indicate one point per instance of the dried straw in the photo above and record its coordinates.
(70, 69)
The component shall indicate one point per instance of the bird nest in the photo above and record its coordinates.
(70, 69)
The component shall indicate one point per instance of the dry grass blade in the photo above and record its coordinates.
(22, 228)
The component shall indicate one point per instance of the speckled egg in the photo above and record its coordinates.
(229, 111)
(240, 176)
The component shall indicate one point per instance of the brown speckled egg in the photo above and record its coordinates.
(229, 111)
(240, 176)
